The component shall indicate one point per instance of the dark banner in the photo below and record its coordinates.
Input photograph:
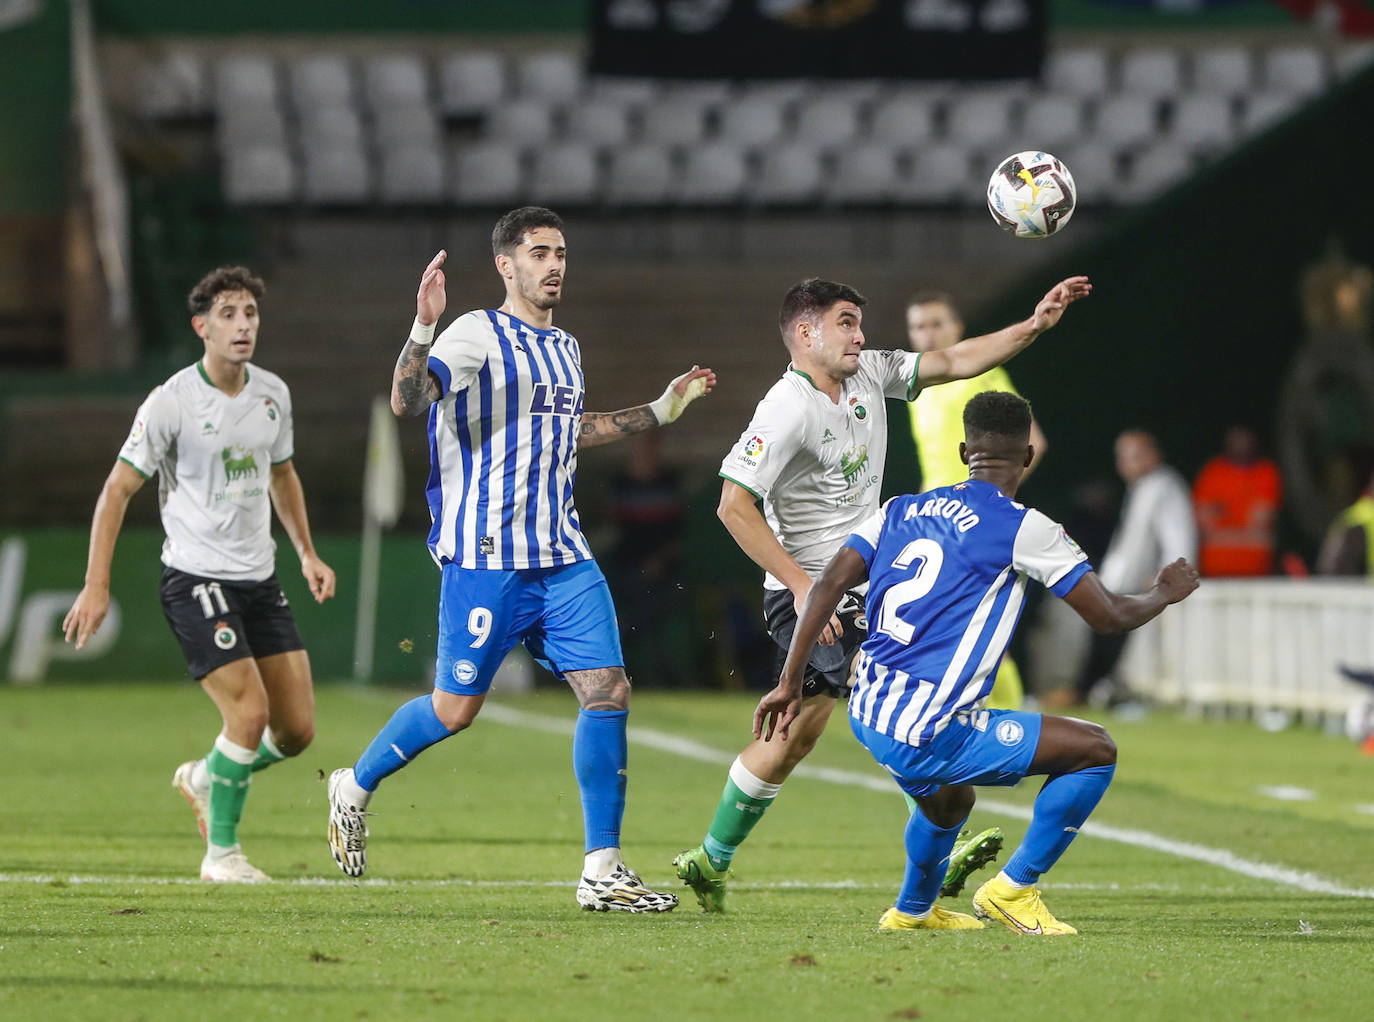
(951, 39)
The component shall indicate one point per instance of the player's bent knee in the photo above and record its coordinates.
(295, 741)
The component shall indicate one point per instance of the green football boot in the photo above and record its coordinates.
(969, 856)
(707, 883)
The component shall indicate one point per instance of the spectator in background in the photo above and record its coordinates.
(1155, 528)
(1349, 545)
(1236, 497)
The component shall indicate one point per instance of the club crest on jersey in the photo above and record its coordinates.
(559, 399)
(271, 408)
(225, 637)
(1010, 732)
(464, 672)
(860, 412)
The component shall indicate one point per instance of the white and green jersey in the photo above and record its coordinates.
(816, 464)
(214, 455)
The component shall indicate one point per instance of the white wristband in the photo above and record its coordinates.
(421, 333)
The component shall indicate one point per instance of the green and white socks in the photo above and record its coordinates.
(743, 801)
(230, 769)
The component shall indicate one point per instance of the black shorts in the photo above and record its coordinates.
(827, 672)
(218, 622)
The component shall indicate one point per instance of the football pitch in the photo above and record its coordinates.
(1228, 873)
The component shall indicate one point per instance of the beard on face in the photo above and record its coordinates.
(532, 290)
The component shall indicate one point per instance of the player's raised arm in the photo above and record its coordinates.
(93, 602)
(604, 427)
(778, 708)
(976, 355)
(413, 386)
(1108, 613)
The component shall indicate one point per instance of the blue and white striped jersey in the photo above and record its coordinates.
(503, 445)
(947, 574)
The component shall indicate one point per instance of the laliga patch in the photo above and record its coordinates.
(464, 672)
(1010, 732)
(754, 446)
(225, 637)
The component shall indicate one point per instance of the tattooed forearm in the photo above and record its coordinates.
(604, 427)
(413, 389)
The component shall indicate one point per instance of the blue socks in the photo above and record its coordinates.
(411, 730)
(1060, 809)
(599, 759)
(927, 856)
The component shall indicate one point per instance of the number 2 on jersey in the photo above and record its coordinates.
(931, 559)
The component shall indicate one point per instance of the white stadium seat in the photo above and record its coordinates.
(245, 80)
(939, 172)
(863, 173)
(1157, 168)
(789, 173)
(331, 126)
(412, 173)
(713, 173)
(828, 122)
(1264, 109)
(526, 121)
(676, 120)
(175, 86)
(321, 79)
(706, 92)
(632, 92)
(1077, 72)
(640, 175)
(1202, 124)
(407, 126)
(599, 121)
(1297, 70)
(1354, 58)
(1096, 172)
(486, 173)
(554, 76)
(395, 80)
(244, 125)
(259, 174)
(336, 175)
(1152, 72)
(979, 119)
(781, 90)
(1223, 71)
(1052, 121)
(1125, 121)
(470, 82)
(903, 120)
(752, 121)
(564, 174)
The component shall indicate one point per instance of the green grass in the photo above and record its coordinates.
(469, 911)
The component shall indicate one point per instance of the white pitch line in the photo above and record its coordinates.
(1220, 857)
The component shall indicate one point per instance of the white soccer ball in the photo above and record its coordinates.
(1031, 194)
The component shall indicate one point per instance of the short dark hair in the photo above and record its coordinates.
(811, 297)
(511, 229)
(930, 295)
(220, 280)
(997, 413)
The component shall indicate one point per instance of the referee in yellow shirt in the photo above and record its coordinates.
(937, 426)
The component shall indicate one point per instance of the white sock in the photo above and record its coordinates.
(601, 862)
(354, 794)
(1002, 876)
(200, 777)
(219, 851)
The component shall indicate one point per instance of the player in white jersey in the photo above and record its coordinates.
(947, 572)
(504, 392)
(219, 436)
(814, 455)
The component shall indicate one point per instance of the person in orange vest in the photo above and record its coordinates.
(1236, 498)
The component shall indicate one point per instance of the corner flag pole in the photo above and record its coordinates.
(382, 496)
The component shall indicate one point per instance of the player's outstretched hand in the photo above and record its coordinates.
(89, 610)
(319, 576)
(681, 392)
(776, 711)
(833, 629)
(430, 300)
(1177, 580)
(1059, 298)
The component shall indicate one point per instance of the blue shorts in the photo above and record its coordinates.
(987, 747)
(563, 615)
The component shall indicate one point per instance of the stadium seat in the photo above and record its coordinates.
(407, 126)
(470, 82)
(336, 175)
(411, 174)
(903, 120)
(788, 173)
(675, 120)
(781, 90)
(175, 86)
(1151, 72)
(828, 122)
(331, 126)
(526, 121)
(1354, 58)
(259, 174)
(242, 125)
(1155, 169)
(1096, 172)
(1051, 121)
(863, 174)
(554, 76)
(939, 172)
(639, 175)
(598, 121)
(1202, 125)
(1296, 70)
(564, 174)
(706, 92)
(395, 80)
(486, 173)
(752, 121)
(1223, 71)
(1077, 72)
(978, 119)
(714, 173)
(1124, 121)
(632, 92)
(321, 79)
(1264, 109)
(245, 80)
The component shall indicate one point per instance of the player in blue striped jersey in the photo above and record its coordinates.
(504, 392)
(947, 572)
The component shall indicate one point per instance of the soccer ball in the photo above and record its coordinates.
(1031, 194)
